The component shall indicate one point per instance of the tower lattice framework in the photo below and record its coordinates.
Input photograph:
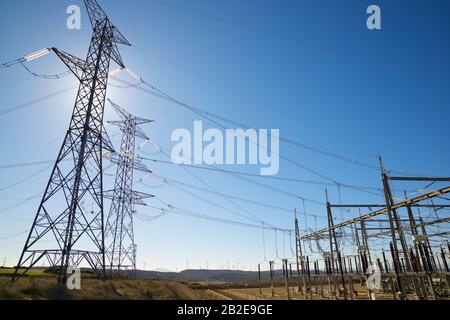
(68, 228)
(119, 232)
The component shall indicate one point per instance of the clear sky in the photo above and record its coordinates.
(309, 68)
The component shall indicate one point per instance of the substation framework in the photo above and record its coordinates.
(408, 267)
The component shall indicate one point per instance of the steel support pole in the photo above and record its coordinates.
(259, 278)
(271, 278)
(286, 279)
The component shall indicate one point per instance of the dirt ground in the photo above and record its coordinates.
(360, 293)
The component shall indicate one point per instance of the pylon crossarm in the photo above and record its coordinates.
(115, 55)
(135, 162)
(76, 65)
(134, 130)
(126, 116)
(106, 141)
(138, 197)
(119, 38)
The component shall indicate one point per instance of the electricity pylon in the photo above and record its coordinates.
(119, 233)
(69, 225)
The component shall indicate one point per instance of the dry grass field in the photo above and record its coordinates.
(46, 288)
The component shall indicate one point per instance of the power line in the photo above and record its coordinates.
(147, 218)
(30, 57)
(246, 25)
(206, 114)
(14, 235)
(213, 168)
(212, 203)
(25, 164)
(191, 213)
(178, 210)
(15, 184)
(164, 151)
(258, 203)
(33, 102)
(253, 217)
(21, 203)
(26, 58)
(47, 76)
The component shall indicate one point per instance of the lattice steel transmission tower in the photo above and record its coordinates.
(69, 225)
(119, 233)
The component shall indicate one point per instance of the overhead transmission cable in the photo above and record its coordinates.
(191, 213)
(197, 110)
(258, 203)
(28, 178)
(45, 76)
(33, 56)
(286, 193)
(251, 216)
(213, 168)
(2, 210)
(14, 235)
(208, 115)
(27, 58)
(208, 201)
(41, 99)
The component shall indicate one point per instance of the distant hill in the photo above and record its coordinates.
(162, 270)
(231, 276)
(191, 275)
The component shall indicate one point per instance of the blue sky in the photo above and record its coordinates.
(310, 68)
